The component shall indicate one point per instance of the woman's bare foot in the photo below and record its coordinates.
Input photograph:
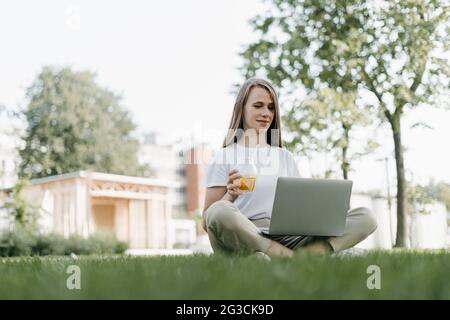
(276, 250)
(319, 247)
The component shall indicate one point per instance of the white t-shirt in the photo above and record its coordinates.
(271, 163)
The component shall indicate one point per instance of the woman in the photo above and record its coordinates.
(233, 219)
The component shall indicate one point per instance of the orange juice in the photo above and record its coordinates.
(247, 184)
(248, 171)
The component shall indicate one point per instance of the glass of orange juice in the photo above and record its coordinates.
(248, 172)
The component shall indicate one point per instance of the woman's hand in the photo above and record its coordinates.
(233, 184)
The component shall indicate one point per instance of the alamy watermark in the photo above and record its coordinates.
(232, 156)
(73, 14)
(374, 280)
(73, 282)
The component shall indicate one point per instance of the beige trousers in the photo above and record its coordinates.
(229, 231)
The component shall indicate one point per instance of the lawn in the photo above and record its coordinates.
(404, 275)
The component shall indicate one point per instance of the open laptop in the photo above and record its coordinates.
(310, 207)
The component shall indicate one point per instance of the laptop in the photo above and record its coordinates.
(309, 207)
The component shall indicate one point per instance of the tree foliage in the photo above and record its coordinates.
(74, 124)
(324, 123)
(393, 51)
(21, 213)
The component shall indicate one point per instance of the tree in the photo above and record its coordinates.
(444, 194)
(419, 197)
(324, 123)
(74, 124)
(393, 51)
(21, 213)
(436, 191)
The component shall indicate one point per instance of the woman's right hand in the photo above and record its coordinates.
(233, 186)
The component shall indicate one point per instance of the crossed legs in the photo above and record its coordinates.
(229, 231)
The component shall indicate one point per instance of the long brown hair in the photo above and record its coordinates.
(237, 120)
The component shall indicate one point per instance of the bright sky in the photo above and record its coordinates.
(174, 62)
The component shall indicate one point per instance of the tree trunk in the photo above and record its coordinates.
(345, 166)
(402, 227)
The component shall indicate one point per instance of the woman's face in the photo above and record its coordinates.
(259, 110)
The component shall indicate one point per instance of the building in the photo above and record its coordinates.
(185, 166)
(136, 210)
(426, 231)
(167, 163)
(196, 163)
(8, 157)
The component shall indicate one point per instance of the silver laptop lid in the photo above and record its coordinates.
(316, 207)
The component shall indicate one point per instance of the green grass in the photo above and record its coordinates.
(404, 275)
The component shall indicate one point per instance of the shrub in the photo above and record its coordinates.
(51, 244)
(23, 242)
(102, 243)
(19, 242)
